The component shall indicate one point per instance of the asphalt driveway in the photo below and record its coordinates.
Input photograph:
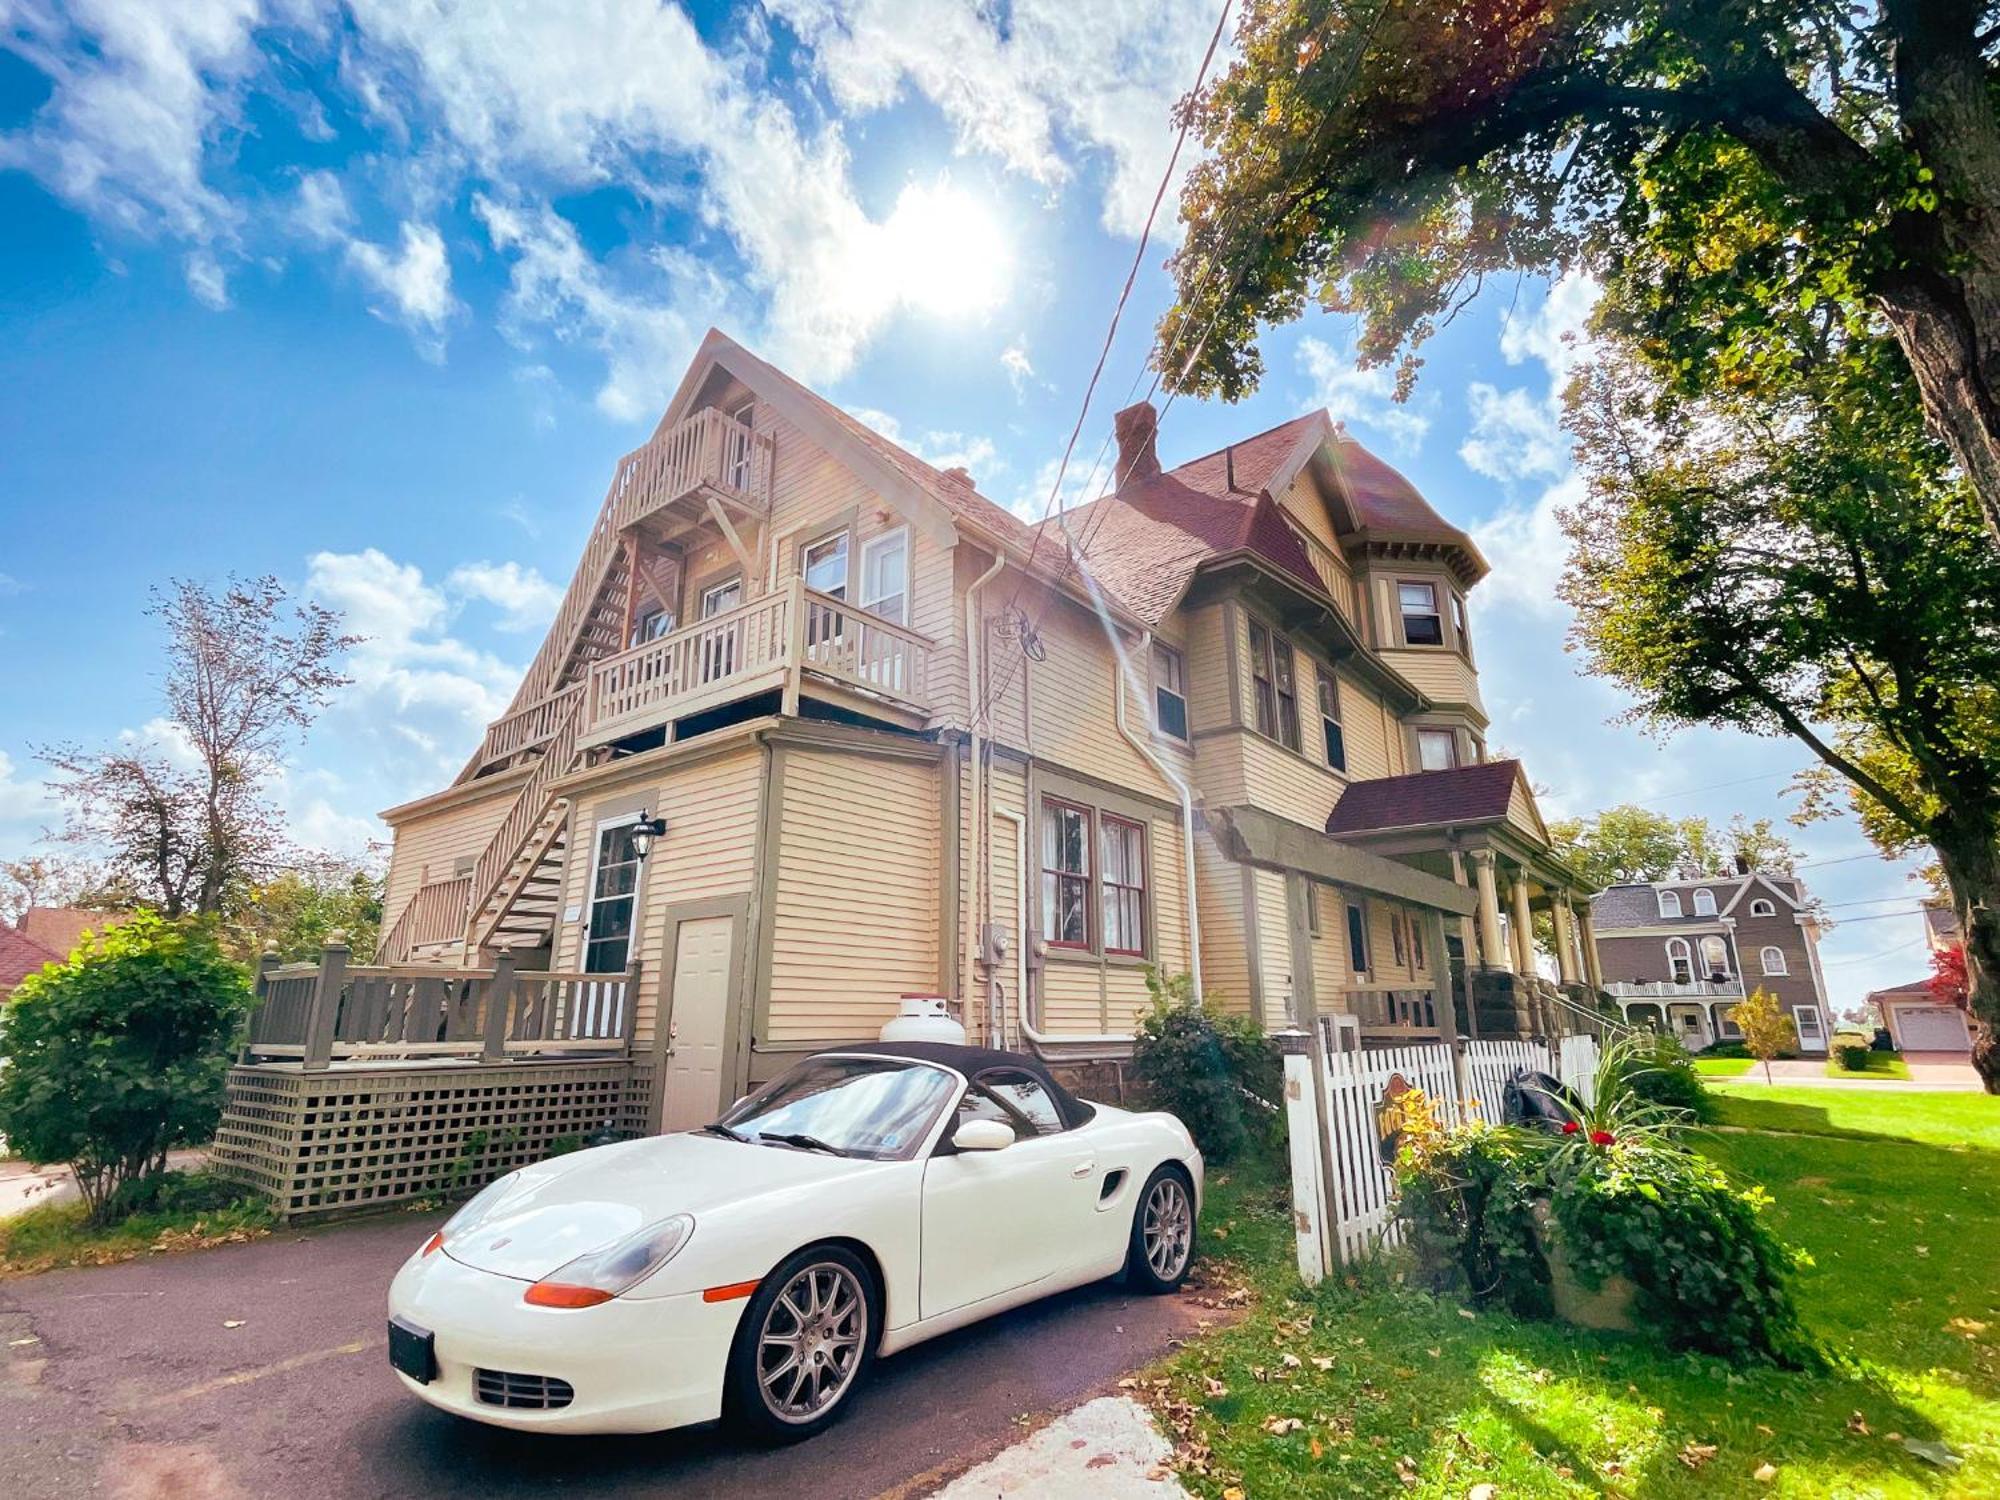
(129, 1381)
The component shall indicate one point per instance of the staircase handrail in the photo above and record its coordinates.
(530, 803)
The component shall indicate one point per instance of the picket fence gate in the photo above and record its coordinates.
(1343, 1191)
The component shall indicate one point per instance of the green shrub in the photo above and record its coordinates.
(118, 1055)
(1659, 1070)
(1854, 1056)
(1216, 1071)
(1465, 1199)
(179, 1194)
(1729, 1047)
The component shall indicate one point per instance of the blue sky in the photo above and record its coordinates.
(372, 296)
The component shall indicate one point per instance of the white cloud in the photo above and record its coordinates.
(10, 585)
(1526, 546)
(1514, 435)
(526, 600)
(1360, 397)
(207, 280)
(1014, 360)
(1554, 332)
(415, 280)
(138, 93)
(941, 450)
(1022, 83)
(322, 212)
(26, 805)
(416, 686)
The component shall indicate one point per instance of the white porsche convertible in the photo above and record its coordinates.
(870, 1198)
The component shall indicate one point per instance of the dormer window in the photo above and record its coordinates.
(1704, 902)
(1670, 903)
(1762, 908)
(1422, 624)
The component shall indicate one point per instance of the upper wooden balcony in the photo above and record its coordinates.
(793, 641)
(708, 458)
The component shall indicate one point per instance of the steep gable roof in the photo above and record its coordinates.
(1477, 793)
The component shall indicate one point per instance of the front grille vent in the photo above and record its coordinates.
(521, 1392)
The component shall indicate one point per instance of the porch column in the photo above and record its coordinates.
(1593, 971)
(1524, 930)
(1491, 954)
(1565, 937)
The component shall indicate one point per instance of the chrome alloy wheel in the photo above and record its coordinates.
(810, 1347)
(1167, 1230)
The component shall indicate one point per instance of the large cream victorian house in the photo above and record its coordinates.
(819, 726)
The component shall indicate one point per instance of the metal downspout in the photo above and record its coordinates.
(976, 866)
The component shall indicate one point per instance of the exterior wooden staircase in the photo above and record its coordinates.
(517, 883)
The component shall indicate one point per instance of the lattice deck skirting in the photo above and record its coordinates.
(354, 1137)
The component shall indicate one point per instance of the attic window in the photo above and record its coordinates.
(1422, 624)
(1704, 902)
(1670, 903)
(1762, 908)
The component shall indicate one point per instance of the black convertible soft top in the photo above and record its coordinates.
(973, 1061)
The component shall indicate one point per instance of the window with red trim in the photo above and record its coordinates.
(1123, 862)
(1065, 874)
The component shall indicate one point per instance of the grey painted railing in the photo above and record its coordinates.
(331, 1011)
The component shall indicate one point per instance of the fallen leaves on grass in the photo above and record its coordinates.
(1279, 1426)
(1858, 1423)
(1970, 1327)
(1694, 1455)
(1764, 1473)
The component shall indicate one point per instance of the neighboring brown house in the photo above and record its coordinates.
(45, 934)
(818, 724)
(1917, 1020)
(1678, 955)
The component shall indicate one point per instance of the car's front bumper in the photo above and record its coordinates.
(636, 1364)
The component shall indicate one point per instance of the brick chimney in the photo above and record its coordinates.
(1138, 428)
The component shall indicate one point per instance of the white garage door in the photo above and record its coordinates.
(1931, 1028)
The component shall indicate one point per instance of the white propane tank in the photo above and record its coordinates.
(923, 1018)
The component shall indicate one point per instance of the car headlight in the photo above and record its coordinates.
(602, 1274)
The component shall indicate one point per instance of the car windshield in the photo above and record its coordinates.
(879, 1108)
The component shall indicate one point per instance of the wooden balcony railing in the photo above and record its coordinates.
(319, 1014)
(757, 647)
(526, 728)
(435, 913)
(707, 450)
(1408, 1011)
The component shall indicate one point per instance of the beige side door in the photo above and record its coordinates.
(693, 1082)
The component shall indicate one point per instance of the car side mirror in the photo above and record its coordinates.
(983, 1135)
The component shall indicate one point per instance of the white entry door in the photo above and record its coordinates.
(697, 1042)
(1812, 1036)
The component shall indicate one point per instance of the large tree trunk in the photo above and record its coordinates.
(1971, 865)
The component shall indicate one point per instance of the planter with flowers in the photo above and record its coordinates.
(1612, 1222)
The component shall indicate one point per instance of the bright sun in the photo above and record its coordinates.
(945, 254)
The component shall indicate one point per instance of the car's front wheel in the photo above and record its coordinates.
(1162, 1246)
(804, 1345)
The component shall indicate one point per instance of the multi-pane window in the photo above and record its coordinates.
(1680, 963)
(1329, 720)
(1715, 958)
(651, 625)
(1065, 874)
(824, 565)
(1437, 749)
(607, 947)
(1670, 903)
(885, 576)
(1422, 624)
(1773, 961)
(1458, 623)
(1123, 864)
(1170, 710)
(1274, 685)
(1357, 940)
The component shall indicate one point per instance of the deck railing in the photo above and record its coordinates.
(1405, 1011)
(708, 449)
(435, 913)
(753, 647)
(497, 859)
(328, 1012)
(1670, 989)
(525, 728)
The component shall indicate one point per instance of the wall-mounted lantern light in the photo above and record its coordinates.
(644, 832)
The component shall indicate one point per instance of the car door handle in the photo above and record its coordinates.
(1083, 1169)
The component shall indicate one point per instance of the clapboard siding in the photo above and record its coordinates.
(710, 850)
(852, 932)
(1225, 944)
(430, 846)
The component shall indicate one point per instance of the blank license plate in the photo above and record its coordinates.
(413, 1350)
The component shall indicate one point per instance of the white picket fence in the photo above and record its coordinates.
(1342, 1188)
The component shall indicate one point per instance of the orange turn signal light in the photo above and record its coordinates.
(729, 1293)
(562, 1294)
(435, 1242)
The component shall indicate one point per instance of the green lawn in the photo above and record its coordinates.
(1396, 1392)
(1724, 1067)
